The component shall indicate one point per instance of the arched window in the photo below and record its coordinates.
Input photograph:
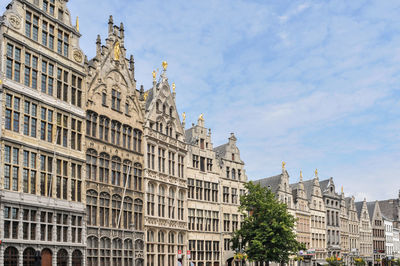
(163, 108)
(128, 252)
(138, 216)
(129, 139)
(105, 251)
(116, 100)
(104, 212)
(91, 123)
(171, 248)
(91, 164)
(116, 171)
(137, 177)
(161, 201)
(77, 258)
(180, 241)
(157, 106)
(150, 199)
(181, 198)
(128, 204)
(171, 203)
(170, 111)
(62, 257)
(29, 257)
(116, 206)
(127, 173)
(161, 248)
(92, 253)
(117, 251)
(104, 167)
(91, 204)
(104, 128)
(150, 248)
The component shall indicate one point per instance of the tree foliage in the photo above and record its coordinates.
(267, 233)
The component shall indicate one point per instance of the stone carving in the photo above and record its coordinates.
(15, 21)
(78, 56)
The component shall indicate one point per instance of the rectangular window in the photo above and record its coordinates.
(13, 63)
(12, 114)
(11, 168)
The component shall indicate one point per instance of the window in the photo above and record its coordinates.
(76, 136)
(191, 219)
(127, 170)
(12, 115)
(127, 213)
(161, 160)
(104, 167)
(233, 173)
(137, 177)
(62, 179)
(180, 166)
(11, 222)
(235, 222)
(104, 128)
(29, 172)
(104, 98)
(31, 71)
(215, 221)
(11, 169)
(226, 194)
(190, 183)
(30, 120)
(116, 100)
(49, 7)
(115, 132)
(31, 26)
(171, 204)
(62, 84)
(76, 182)
(209, 164)
(199, 189)
(171, 163)
(47, 78)
(91, 123)
(104, 209)
(195, 161)
(181, 198)
(137, 140)
(46, 172)
(150, 199)
(13, 65)
(226, 222)
(227, 172)
(202, 162)
(76, 91)
(62, 43)
(234, 196)
(46, 125)
(161, 201)
(138, 214)
(62, 129)
(91, 207)
(116, 171)
(116, 207)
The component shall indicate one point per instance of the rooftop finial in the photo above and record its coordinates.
(173, 87)
(316, 172)
(342, 189)
(301, 176)
(77, 23)
(165, 65)
(110, 25)
(154, 73)
(183, 117)
(283, 166)
(201, 117)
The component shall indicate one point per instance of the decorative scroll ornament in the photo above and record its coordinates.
(15, 21)
(78, 57)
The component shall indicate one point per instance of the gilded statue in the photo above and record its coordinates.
(301, 176)
(164, 65)
(117, 51)
(201, 117)
(145, 95)
(183, 117)
(173, 87)
(154, 75)
(316, 172)
(283, 165)
(77, 24)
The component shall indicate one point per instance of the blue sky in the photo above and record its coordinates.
(311, 83)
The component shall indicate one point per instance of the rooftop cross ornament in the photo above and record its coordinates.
(165, 65)
(283, 165)
(117, 51)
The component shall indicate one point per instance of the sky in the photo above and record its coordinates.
(311, 83)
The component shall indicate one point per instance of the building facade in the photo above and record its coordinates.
(114, 156)
(366, 250)
(165, 175)
(353, 228)
(42, 183)
(378, 231)
(344, 229)
(332, 204)
(204, 198)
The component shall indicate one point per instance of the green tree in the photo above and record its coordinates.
(267, 233)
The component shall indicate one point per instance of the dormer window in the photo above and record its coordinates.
(233, 156)
(202, 144)
(331, 189)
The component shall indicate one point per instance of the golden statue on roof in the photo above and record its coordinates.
(301, 175)
(183, 117)
(77, 24)
(164, 65)
(145, 95)
(173, 87)
(117, 51)
(283, 165)
(154, 75)
(201, 117)
(316, 172)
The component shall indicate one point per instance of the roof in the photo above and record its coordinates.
(389, 209)
(221, 150)
(189, 135)
(308, 187)
(359, 206)
(324, 184)
(371, 209)
(273, 182)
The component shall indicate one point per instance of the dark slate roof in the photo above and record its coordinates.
(324, 184)
(347, 201)
(149, 98)
(359, 206)
(371, 208)
(388, 208)
(308, 187)
(189, 135)
(273, 182)
(221, 150)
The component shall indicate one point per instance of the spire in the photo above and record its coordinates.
(98, 46)
(141, 93)
(121, 31)
(110, 25)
